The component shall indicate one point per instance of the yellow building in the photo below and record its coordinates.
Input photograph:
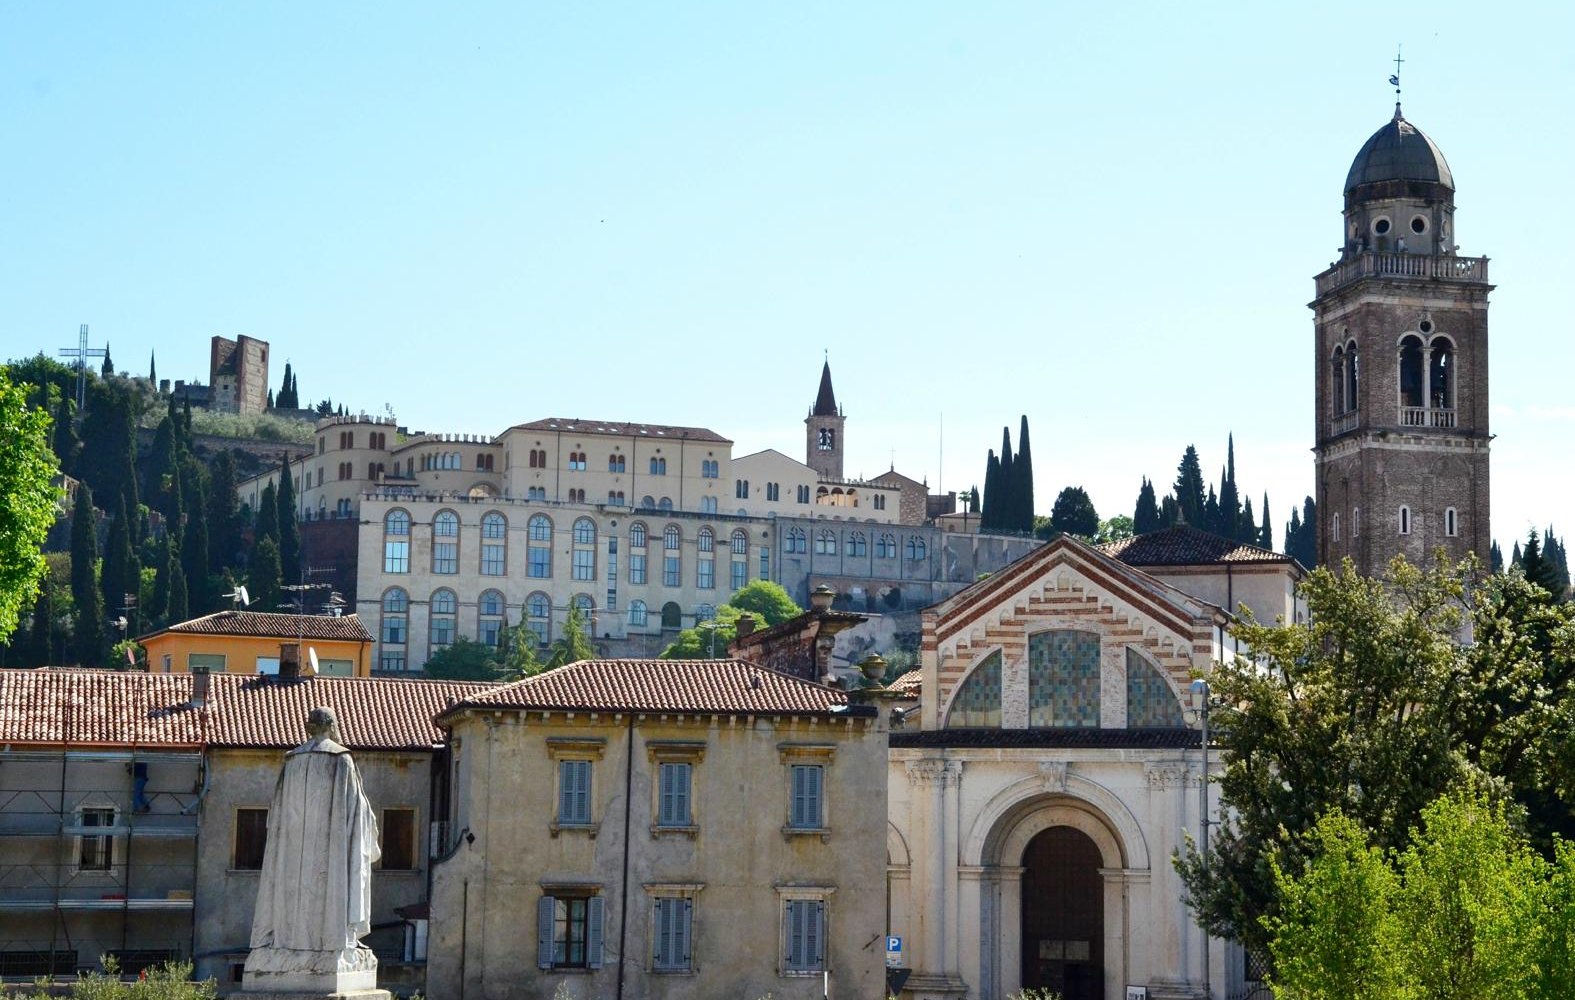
(252, 642)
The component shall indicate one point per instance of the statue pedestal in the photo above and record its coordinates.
(351, 995)
(280, 973)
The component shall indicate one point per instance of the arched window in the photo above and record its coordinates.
(396, 542)
(584, 567)
(444, 609)
(666, 503)
(489, 618)
(1451, 522)
(1338, 380)
(647, 503)
(1334, 527)
(1356, 522)
(740, 543)
(538, 547)
(494, 544)
(671, 537)
(885, 546)
(637, 535)
(1411, 391)
(637, 614)
(705, 565)
(706, 540)
(396, 611)
(586, 607)
(658, 466)
(915, 547)
(826, 542)
(1404, 518)
(672, 559)
(857, 546)
(445, 542)
(672, 615)
(977, 703)
(1151, 703)
(795, 541)
(1352, 377)
(1063, 679)
(584, 531)
(708, 505)
(1441, 375)
(538, 617)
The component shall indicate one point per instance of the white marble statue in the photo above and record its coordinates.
(314, 899)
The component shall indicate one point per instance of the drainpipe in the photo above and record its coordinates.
(623, 890)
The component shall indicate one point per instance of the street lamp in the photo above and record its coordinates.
(1202, 700)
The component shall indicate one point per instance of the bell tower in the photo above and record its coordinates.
(823, 431)
(1401, 354)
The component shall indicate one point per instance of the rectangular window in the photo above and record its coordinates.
(585, 564)
(569, 932)
(574, 792)
(805, 811)
(396, 557)
(740, 574)
(391, 660)
(268, 665)
(636, 567)
(488, 630)
(445, 557)
(539, 562)
(671, 571)
(399, 840)
(705, 577)
(492, 559)
(804, 935)
(251, 836)
(335, 668)
(765, 564)
(211, 662)
(97, 853)
(673, 806)
(670, 934)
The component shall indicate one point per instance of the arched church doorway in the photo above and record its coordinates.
(1063, 912)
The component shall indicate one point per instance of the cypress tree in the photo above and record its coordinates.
(163, 472)
(262, 580)
(1540, 569)
(1006, 515)
(178, 610)
(109, 366)
(65, 443)
(224, 520)
(973, 500)
(1247, 527)
(1145, 515)
(289, 528)
(1301, 534)
(1169, 512)
(285, 400)
(1230, 497)
(1189, 488)
(194, 552)
(88, 627)
(1266, 532)
(267, 516)
(992, 493)
(1024, 470)
(153, 370)
(120, 574)
(1496, 558)
(185, 423)
(1211, 515)
(40, 636)
(270, 399)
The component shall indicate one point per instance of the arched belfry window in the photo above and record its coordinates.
(1352, 377)
(1441, 374)
(1339, 380)
(1063, 679)
(1151, 703)
(1411, 393)
(977, 704)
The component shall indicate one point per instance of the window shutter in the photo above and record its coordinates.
(798, 796)
(685, 921)
(813, 817)
(593, 934)
(818, 928)
(545, 907)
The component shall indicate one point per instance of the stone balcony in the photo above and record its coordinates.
(1403, 267)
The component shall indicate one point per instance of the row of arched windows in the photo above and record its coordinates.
(854, 543)
(1065, 687)
(1426, 376)
(1404, 522)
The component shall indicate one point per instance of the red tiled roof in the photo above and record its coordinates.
(375, 713)
(97, 708)
(267, 625)
(654, 431)
(1183, 545)
(701, 687)
(113, 708)
(909, 685)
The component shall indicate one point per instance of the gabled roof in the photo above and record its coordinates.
(908, 685)
(697, 687)
(1164, 603)
(1183, 545)
(267, 625)
(655, 431)
(54, 706)
(825, 399)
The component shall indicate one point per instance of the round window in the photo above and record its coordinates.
(1426, 326)
(1381, 226)
(1419, 225)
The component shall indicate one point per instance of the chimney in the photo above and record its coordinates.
(199, 687)
(745, 625)
(289, 659)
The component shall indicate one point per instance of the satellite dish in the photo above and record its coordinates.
(120, 623)
(246, 599)
(311, 657)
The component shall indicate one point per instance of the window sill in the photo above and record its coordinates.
(659, 832)
(568, 970)
(406, 872)
(800, 973)
(243, 871)
(823, 832)
(670, 972)
(592, 829)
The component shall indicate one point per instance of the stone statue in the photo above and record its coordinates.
(314, 899)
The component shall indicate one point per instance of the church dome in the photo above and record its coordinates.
(1399, 152)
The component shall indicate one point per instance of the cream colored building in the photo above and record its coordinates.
(1036, 806)
(662, 829)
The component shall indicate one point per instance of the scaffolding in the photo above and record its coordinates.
(98, 858)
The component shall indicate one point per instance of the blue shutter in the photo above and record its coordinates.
(817, 920)
(685, 923)
(796, 814)
(545, 910)
(565, 791)
(681, 774)
(814, 817)
(665, 811)
(593, 932)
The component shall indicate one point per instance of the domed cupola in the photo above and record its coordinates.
(1399, 193)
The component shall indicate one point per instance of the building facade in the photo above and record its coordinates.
(1401, 349)
(253, 642)
(670, 828)
(238, 375)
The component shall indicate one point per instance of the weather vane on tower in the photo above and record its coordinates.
(1394, 81)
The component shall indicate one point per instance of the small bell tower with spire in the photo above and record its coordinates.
(823, 430)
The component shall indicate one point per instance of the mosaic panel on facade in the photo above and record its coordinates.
(1150, 701)
(977, 704)
(1063, 679)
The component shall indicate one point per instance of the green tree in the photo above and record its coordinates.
(1169, 512)
(1145, 515)
(88, 628)
(264, 577)
(289, 527)
(1266, 530)
(162, 484)
(194, 550)
(1189, 488)
(109, 365)
(516, 654)
(1006, 515)
(709, 640)
(1023, 489)
(1555, 959)
(120, 573)
(991, 511)
(268, 517)
(464, 660)
(153, 370)
(1230, 498)
(1539, 570)
(1115, 529)
(572, 646)
(1074, 514)
(1301, 534)
(66, 444)
(176, 608)
(27, 500)
(767, 599)
(1335, 937)
(224, 517)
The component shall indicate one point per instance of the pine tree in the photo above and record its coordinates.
(1024, 470)
(65, 443)
(109, 366)
(262, 580)
(1266, 532)
(1189, 488)
(88, 627)
(1145, 516)
(992, 494)
(289, 528)
(120, 574)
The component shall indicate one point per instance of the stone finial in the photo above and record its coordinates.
(821, 597)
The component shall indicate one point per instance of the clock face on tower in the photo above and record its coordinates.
(827, 439)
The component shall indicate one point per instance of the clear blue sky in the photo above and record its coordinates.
(1104, 216)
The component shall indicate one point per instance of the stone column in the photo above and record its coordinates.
(1171, 931)
(935, 883)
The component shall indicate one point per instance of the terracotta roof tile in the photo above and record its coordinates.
(655, 432)
(97, 708)
(1103, 739)
(273, 626)
(1187, 546)
(702, 687)
(909, 685)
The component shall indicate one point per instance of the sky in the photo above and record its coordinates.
(1105, 217)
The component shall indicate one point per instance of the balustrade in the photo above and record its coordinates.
(1422, 267)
